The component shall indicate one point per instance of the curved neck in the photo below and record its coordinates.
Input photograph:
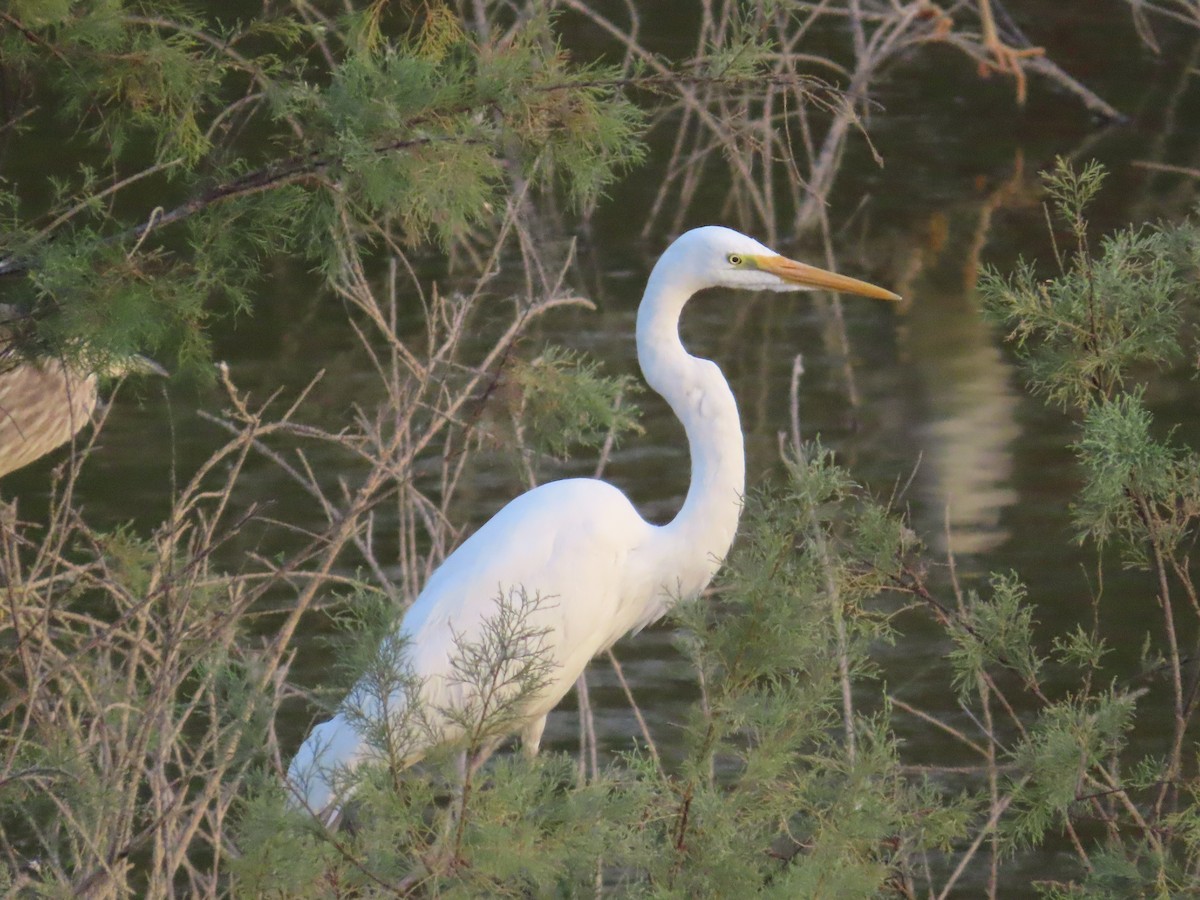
(702, 531)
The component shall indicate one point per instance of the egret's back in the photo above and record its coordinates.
(580, 558)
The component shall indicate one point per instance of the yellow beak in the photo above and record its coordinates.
(812, 277)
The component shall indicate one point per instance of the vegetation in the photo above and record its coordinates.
(150, 703)
(1086, 337)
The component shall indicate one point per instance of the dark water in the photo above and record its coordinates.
(941, 406)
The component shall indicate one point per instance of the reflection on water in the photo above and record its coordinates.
(969, 432)
(967, 461)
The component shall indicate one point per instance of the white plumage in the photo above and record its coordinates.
(597, 569)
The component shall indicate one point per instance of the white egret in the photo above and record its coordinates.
(579, 543)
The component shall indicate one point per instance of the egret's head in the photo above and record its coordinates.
(714, 256)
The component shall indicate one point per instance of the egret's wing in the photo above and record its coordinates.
(563, 547)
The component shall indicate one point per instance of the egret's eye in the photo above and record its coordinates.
(735, 259)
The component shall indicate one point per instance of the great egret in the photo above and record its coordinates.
(579, 542)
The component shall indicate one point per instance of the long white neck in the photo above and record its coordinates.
(697, 539)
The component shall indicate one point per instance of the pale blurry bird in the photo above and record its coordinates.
(45, 401)
(579, 543)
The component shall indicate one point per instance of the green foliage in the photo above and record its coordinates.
(997, 631)
(1087, 337)
(767, 762)
(125, 305)
(1081, 649)
(1069, 740)
(288, 861)
(1072, 192)
(1080, 334)
(537, 831)
(565, 402)
(39, 13)
(422, 134)
(1140, 490)
(425, 134)
(125, 78)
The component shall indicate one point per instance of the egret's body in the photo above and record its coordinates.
(599, 570)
